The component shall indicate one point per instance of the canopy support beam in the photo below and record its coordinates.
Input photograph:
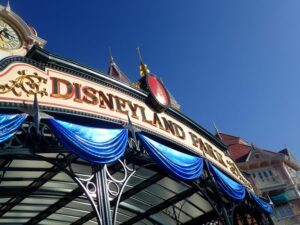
(181, 196)
(35, 185)
(124, 196)
(220, 203)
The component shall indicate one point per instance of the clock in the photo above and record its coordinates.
(9, 37)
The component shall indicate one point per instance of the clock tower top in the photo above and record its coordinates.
(16, 36)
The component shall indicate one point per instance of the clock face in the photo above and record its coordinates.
(9, 38)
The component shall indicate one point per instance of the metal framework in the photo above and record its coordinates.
(42, 183)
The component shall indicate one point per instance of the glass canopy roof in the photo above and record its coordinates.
(34, 191)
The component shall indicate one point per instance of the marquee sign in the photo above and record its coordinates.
(20, 82)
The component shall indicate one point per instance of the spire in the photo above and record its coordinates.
(217, 131)
(114, 70)
(7, 7)
(111, 56)
(143, 67)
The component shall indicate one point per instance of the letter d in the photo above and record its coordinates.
(57, 88)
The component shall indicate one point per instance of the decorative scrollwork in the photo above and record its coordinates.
(126, 169)
(28, 83)
(89, 185)
(134, 144)
(90, 189)
(116, 185)
(26, 137)
(19, 140)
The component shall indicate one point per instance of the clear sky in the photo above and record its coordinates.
(233, 62)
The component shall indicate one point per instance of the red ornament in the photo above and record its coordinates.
(159, 95)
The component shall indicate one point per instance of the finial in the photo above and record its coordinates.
(139, 54)
(270, 201)
(217, 130)
(111, 56)
(7, 8)
(143, 67)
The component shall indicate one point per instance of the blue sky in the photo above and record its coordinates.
(233, 62)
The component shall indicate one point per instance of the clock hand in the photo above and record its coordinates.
(1, 32)
(6, 34)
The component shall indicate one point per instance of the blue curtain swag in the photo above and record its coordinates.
(10, 124)
(262, 204)
(95, 145)
(179, 164)
(103, 146)
(230, 188)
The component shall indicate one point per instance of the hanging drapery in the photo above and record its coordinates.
(95, 145)
(231, 188)
(181, 165)
(9, 125)
(263, 205)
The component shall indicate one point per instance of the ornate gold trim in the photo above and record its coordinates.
(28, 83)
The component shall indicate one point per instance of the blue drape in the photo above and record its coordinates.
(95, 145)
(230, 187)
(9, 124)
(181, 165)
(263, 205)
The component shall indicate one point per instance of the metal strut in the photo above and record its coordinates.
(103, 196)
(226, 218)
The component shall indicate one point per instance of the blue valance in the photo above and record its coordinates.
(231, 188)
(263, 205)
(9, 125)
(95, 145)
(181, 165)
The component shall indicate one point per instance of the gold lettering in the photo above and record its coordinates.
(121, 103)
(220, 158)
(77, 91)
(195, 139)
(106, 101)
(210, 151)
(133, 108)
(56, 88)
(202, 146)
(179, 131)
(156, 121)
(89, 96)
(168, 124)
(144, 118)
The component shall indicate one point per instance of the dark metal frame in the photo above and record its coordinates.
(101, 185)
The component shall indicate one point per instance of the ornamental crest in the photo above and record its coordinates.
(30, 84)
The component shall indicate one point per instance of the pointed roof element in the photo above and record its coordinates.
(114, 71)
(111, 58)
(217, 132)
(289, 154)
(7, 7)
(237, 147)
(173, 101)
(143, 67)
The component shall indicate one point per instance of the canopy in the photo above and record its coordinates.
(38, 190)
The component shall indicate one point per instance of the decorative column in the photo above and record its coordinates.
(102, 195)
(220, 203)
